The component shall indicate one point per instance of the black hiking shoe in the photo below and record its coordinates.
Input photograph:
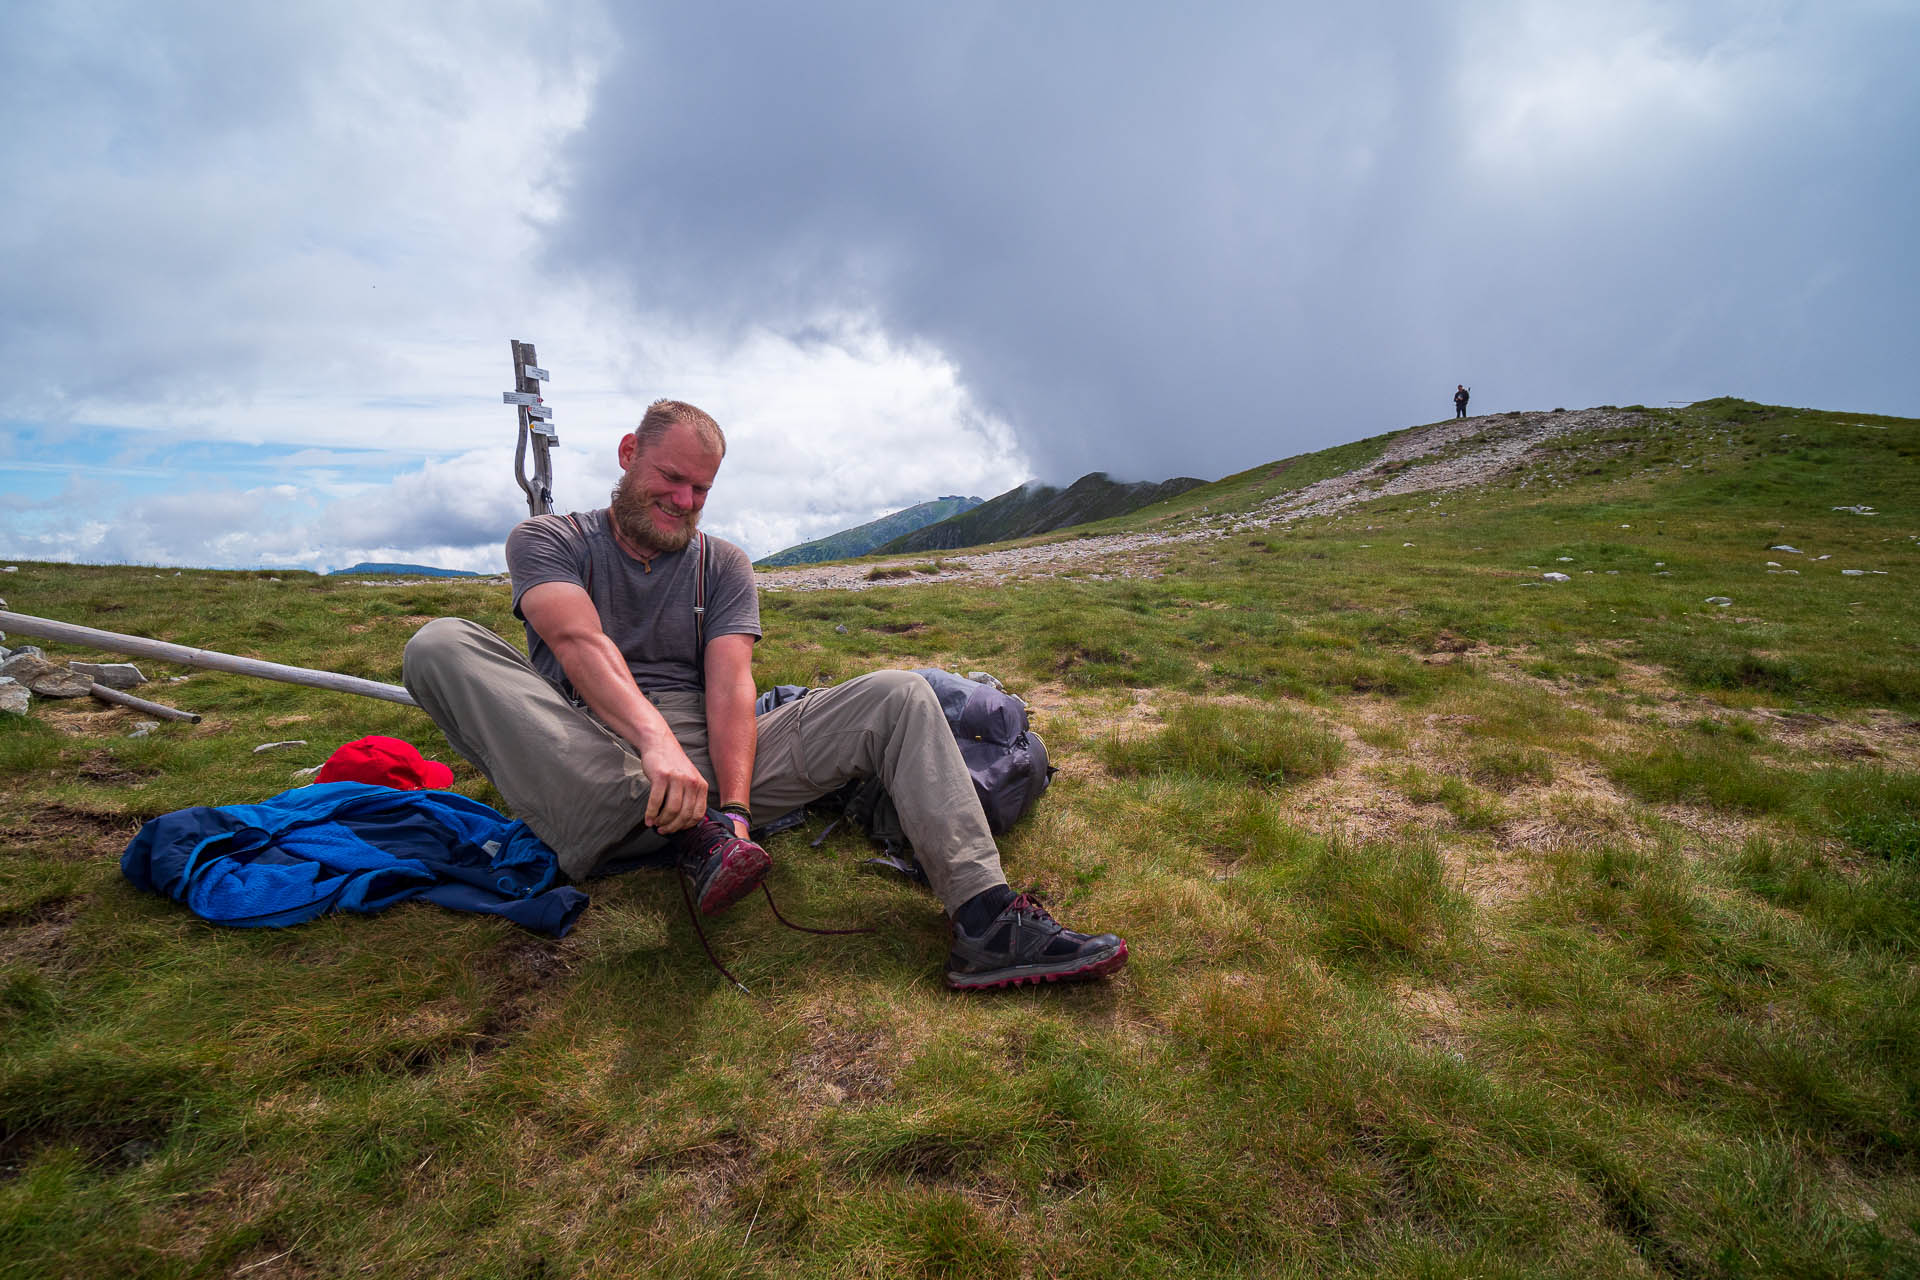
(723, 867)
(1025, 944)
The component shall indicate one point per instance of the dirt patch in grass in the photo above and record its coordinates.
(81, 717)
(1488, 875)
(105, 1148)
(36, 935)
(241, 1193)
(523, 973)
(100, 767)
(1092, 718)
(841, 1062)
(1436, 1015)
(1355, 804)
(1885, 736)
(69, 835)
(1580, 807)
(708, 1171)
(1709, 826)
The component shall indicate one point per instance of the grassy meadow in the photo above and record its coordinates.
(1481, 925)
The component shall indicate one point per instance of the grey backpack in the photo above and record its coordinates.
(1005, 758)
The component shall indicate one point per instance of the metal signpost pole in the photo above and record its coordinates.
(536, 422)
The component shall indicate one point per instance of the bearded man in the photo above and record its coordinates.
(629, 725)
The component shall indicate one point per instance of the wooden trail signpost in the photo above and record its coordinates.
(536, 429)
(536, 424)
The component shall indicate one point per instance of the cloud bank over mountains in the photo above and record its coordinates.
(258, 268)
(1167, 241)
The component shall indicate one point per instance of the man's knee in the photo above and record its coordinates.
(901, 692)
(436, 648)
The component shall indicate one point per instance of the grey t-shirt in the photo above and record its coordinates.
(646, 610)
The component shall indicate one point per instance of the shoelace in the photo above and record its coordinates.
(686, 896)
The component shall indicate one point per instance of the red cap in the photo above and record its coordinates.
(385, 762)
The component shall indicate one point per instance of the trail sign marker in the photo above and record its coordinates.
(535, 426)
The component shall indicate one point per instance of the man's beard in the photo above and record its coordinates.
(630, 512)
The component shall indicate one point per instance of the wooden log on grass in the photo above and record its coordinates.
(160, 650)
(106, 693)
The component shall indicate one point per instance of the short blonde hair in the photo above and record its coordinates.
(662, 415)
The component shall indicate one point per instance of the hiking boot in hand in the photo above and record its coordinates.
(1025, 944)
(723, 867)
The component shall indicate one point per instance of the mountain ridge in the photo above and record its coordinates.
(861, 539)
(1036, 508)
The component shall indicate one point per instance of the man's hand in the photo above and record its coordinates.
(566, 619)
(677, 795)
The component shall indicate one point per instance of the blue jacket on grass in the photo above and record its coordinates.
(349, 846)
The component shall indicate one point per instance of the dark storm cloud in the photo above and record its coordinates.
(1167, 242)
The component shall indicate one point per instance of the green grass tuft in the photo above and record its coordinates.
(1264, 746)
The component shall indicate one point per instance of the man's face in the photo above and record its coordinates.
(656, 506)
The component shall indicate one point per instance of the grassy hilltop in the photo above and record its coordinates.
(1481, 924)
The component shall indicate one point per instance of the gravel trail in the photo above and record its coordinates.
(1458, 453)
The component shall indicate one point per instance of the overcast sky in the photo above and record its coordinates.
(259, 265)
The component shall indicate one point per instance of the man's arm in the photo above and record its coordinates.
(730, 726)
(563, 614)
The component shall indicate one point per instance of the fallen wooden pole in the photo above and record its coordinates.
(119, 698)
(160, 650)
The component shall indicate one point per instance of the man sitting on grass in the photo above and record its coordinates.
(636, 711)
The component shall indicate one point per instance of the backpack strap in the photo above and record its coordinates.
(700, 610)
(699, 597)
(581, 530)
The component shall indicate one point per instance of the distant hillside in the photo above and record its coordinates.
(1039, 508)
(864, 538)
(403, 570)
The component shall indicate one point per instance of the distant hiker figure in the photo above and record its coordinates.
(629, 724)
(1460, 398)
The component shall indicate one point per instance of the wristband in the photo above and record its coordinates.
(738, 810)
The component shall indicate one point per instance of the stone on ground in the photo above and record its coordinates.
(114, 675)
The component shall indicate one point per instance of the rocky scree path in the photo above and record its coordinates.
(1455, 454)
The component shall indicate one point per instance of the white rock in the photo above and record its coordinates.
(1827, 556)
(1564, 559)
(1550, 576)
(1626, 526)
(275, 746)
(1722, 601)
(1790, 550)
(1406, 544)
(308, 772)
(1854, 573)
(14, 698)
(1859, 511)
(1773, 564)
(141, 728)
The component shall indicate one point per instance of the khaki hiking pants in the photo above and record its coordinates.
(582, 790)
